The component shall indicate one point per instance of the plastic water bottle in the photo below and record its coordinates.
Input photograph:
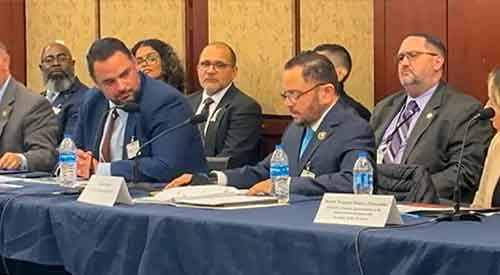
(279, 174)
(67, 162)
(362, 175)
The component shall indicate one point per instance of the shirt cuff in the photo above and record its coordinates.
(103, 169)
(221, 177)
(24, 162)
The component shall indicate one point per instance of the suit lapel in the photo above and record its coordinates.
(6, 105)
(195, 100)
(429, 113)
(216, 119)
(388, 112)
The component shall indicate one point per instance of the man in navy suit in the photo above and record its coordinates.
(109, 137)
(63, 89)
(338, 134)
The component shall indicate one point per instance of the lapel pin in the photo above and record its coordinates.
(322, 135)
(429, 115)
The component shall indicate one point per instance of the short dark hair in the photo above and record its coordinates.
(315, 67)
(104, 48)
(232, 54)
(433, 40)
(171, 67)
(341, 52)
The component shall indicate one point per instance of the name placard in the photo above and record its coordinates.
(364, 210)
(106, 191)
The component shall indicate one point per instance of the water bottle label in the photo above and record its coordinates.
(67, 158)
(279, 170)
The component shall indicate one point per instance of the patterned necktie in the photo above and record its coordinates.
(106, 142)
(308, 135)
(206, 112)
(398, 141)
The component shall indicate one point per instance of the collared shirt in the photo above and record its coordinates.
(51, 96)
(217, 97)
(24, 161)
(117, 140)
(421, 101)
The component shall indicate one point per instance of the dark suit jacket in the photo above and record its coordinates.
(331, 159)
(358, 107)
(161, 107)
(28, 126)
(234, 131)
(69, 103)
(435, 141)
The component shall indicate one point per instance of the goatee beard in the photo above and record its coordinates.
(59, 83)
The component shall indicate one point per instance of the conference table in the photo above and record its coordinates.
(57, 230)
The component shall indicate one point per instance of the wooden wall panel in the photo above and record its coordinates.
(473, 40)
(394, 20)
(13, 35)
(71, 21)
(132, 21)
(349, 23)
(261, 33)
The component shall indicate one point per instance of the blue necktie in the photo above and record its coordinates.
(308, 135)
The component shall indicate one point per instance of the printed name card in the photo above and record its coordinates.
(364, 210)
(106, 191)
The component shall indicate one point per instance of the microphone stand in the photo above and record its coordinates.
(460, 215)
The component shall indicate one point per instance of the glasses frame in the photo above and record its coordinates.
(294, 95)
(60, 58)
(412, 55)
(217, 65)
(149, 59)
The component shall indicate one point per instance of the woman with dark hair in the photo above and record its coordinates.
(158, 60)
(488, 194)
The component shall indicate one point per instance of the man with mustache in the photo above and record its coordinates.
(234, 118)
(108, 137)
(28, 127)
(63, 89)
(322, 142)
(424, 123)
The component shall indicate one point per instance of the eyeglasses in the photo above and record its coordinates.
(293, 95)
(60, 58)
(151, 58)
(217, 65)
(412, 55)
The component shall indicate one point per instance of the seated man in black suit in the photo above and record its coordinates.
(323, 141)
(342, 61)
(63, 89)
(234, 119)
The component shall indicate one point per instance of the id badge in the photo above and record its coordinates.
(133, 148)
(307, 174)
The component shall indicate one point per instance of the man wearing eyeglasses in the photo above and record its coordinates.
(323, 141)
(28, 127)
(63, 89)
(424, 123)
(233, 126)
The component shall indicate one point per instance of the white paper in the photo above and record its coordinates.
(106, 191)
(364, 210)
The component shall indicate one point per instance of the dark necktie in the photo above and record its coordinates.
(398, 140)
(108, 133)
(205, 112)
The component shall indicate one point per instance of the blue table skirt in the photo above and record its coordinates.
(158, 239)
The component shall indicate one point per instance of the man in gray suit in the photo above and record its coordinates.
(424, 123)
(28, 127)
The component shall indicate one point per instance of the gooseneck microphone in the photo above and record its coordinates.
(457, 214)
(196, 119)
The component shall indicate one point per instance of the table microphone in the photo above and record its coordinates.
(196, 119)
(457, 214)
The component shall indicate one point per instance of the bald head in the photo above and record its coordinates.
(2, 47)
(57, 67)
(4, 63)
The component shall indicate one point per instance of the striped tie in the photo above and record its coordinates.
(398, 141)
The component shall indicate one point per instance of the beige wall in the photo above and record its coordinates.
(140, 19)
(349, 23)
(71, 21)
(260, 31)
